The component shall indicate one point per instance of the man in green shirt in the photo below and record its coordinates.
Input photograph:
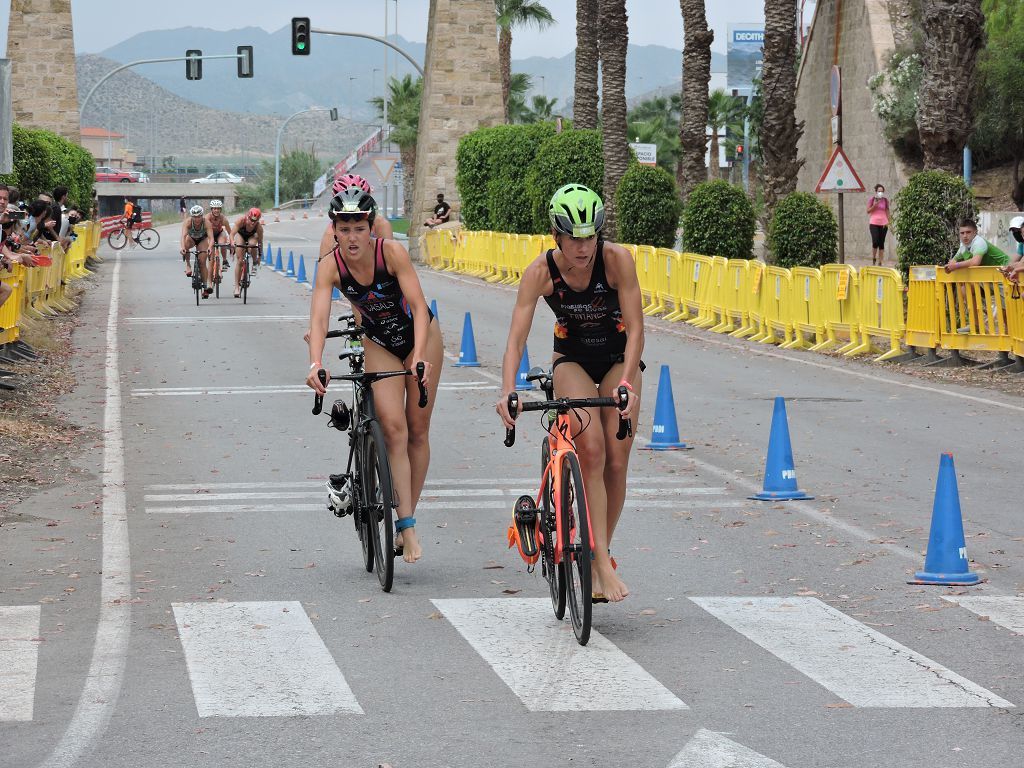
(975, 250)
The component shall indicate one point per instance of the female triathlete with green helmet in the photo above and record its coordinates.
(592, 288)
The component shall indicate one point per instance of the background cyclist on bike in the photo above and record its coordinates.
(592, 288)
(378, 278)
(381, 225)
(195, 231)
(248, 230)
(221, 230)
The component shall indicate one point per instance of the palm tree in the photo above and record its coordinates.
(614, 42)
(584, 106)
(953, 36)
(779, 129)
(515, 13)
(697, 39)
(404, 115)
(541, 109)
(724, 111)
(518, 85)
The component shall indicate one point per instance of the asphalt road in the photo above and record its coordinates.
(188, 601)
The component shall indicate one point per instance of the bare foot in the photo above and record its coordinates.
(605, 581)
(410, 544)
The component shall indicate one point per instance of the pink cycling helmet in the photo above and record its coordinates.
(351, 180)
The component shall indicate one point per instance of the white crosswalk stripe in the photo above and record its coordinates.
(259, 659)
(1005, 611)
(205, 319)
(857, 663)
(708, 749)
(438, 495)
(281, 389)
(19, 656)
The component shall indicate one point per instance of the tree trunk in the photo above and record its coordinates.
(614, 42)
(953, 36)
(505, 62)
(584, 107)
(1017, 195)
(693, 120)
(779, 130)
(408, 156)
(714, 169)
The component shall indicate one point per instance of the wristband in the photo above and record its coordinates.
(317, 364)
(626, 384)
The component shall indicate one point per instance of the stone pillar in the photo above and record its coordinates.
(461, 92)
(857, 35)
(41, 47)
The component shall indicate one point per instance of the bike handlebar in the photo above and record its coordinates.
(420, 369)
(318, 400)
(565, 404)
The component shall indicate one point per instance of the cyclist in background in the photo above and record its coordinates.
(221, 230)
(381, 225)
(129, 211)
(379, 280)
(592, 288)
(195, 231)
(248, 230)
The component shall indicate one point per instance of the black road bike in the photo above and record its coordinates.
(247, 269)
(197, 273)
(365, 489)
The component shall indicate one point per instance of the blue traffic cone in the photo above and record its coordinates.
(467, 355)
(779, 472)
(433, 309)
(278, 266)
(665, 434)
(269, 258)
(524, 368)
(336, 294)
(291, 265)
(300, 277)
(946, 561)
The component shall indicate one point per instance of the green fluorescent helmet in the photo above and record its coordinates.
(576, 210)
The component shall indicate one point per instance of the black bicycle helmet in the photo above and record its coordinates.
(353, 200)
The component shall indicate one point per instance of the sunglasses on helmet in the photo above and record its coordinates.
(348, 216)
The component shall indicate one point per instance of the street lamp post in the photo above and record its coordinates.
(277, 150)
(350, 79)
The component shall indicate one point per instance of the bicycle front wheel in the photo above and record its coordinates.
(379, 504)
(245, 280)
(553, 572)
(117, 239)
(149, 238)
(576, 554)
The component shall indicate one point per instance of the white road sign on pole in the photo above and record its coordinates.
(646, 154)
(839, 175)
(384, 166)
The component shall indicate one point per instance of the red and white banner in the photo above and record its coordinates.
(109, 223)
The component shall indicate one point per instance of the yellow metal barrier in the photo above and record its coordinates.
(839, 292)
(756, 302)
(922, 308)
(777, 300)
(713, 311)
(879, 311)
(737, 298)
(1015, 321)
(972, 309)
(11, 310)
(807, 307)
(646, 270)
(671, 263)
(696, 281)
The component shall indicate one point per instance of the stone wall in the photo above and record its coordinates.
(41, 48)
(858, 36)
(461, 92)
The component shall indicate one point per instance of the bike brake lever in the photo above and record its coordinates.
(420, 369)
(625, 425)
(318, 399)
(513, 409)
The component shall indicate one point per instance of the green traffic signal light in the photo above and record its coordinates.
(300, 36)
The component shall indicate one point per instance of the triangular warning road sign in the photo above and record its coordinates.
(839, 175)
(384, 166)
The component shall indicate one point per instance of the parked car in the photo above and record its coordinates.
(140, 176)
(105, 173)
(220, 177)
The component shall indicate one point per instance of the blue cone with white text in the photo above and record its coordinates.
(522, 384)
(779, 471)
(300, 277)
(467, 355)
(665, 432)
(946, 560)
(291, 265)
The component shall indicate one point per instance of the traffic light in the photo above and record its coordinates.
(300, 36)
(334, 113)
(193, 64)
(739, 153)
(245, 62)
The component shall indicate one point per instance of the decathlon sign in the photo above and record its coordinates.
(748, 36)
(743, 55)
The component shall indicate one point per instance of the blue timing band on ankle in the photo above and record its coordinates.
(404, 522)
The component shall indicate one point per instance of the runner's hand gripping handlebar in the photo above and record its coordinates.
(318, 400)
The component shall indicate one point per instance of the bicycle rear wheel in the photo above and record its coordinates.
(149, 238)
(379, 504)
(576, 547)
(245, 280)
(553, 572)
(117, 239)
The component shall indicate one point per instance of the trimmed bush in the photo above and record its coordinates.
(570, 156)
(648, 207)
(718, 220)
(43, 160)
(472, 160)
(926, 213)
(803, 232)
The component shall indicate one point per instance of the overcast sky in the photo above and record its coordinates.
(100, 24)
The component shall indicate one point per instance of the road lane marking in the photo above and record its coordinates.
(858, 664)
(110, 647)
(232, 496)
(259, 659)
(708, 749)
(539, 660)
(508, 483)
(282, 389)
(216, 319)
(228, 509)
(19, 661)
(1005, 611)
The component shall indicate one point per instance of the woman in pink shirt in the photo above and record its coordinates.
(878, 223)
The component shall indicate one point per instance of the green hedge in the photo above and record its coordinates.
(570, 156)
(648, 206)
(718, 220)
(472, 160)
(43, 160)
(803, 232)
(926, 214)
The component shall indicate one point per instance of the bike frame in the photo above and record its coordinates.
(560, 445)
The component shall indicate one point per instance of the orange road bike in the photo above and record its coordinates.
(555, 526)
